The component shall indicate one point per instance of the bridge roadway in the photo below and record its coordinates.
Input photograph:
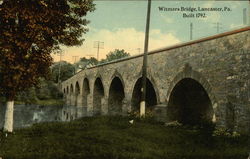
(198, 81)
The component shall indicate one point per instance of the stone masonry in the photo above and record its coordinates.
(206, 79)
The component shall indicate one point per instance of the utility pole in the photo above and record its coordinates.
(191, 31)
(61, 53)
(218, 26)
(144, 66)
(74, 59)
(98, 45)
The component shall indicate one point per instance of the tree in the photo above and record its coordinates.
(92, 60)
(116, 54)
(84, 62)
(66, 71)
(30, 31)
(28, 96)
(43, 93)
(102, 61)
(47, 90)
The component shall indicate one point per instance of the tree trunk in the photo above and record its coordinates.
(8, 122)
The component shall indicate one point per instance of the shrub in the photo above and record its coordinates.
(225, 133)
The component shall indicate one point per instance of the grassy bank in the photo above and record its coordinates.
(115, 138)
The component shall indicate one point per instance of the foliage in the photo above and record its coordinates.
(91, 60)
(48, 90)
(46, 94)
(27, 97)
(85, 62)
(116, 54)
(136, 114)
(102, 61)
(30, 31)
(114, 137)
(66, 71)
(225, 133)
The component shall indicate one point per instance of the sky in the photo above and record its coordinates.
(121, 25)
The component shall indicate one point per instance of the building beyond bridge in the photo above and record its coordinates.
(201, 80)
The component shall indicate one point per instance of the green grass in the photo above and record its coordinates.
(115, 138)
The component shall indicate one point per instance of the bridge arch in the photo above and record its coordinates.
(151, 95)
(98, 95)
(77, 88)
(85, 92)
(152, 80)
(117, 74)
(71, 89)
(77, 93)
(189, 99)
(116, 96)
(67, 95)
(71, 93)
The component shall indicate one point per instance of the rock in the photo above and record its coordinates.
(131, 121)
(173, 124)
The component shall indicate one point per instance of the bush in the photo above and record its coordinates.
(27, 97)
(47, 94)
(225, 133)
(136, 114)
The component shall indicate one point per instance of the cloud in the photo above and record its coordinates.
(128, 39)
(167, 19)
(235, 4)
(212, 17)
(158, 39)
(208, 4)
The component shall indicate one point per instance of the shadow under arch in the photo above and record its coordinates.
(151, 96)
(85, 92)
(71, 89)
(116, 96)
(77, 92)
(77, 88)
(118, 75)
(71, 93)
(189, 99)
(98, 95)
(152, 81)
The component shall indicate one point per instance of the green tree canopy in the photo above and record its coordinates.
(91, 60)
(30, 31)
(116, 54)
(86, 62)
(66, 71)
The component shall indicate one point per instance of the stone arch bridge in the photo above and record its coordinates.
(201, 80)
